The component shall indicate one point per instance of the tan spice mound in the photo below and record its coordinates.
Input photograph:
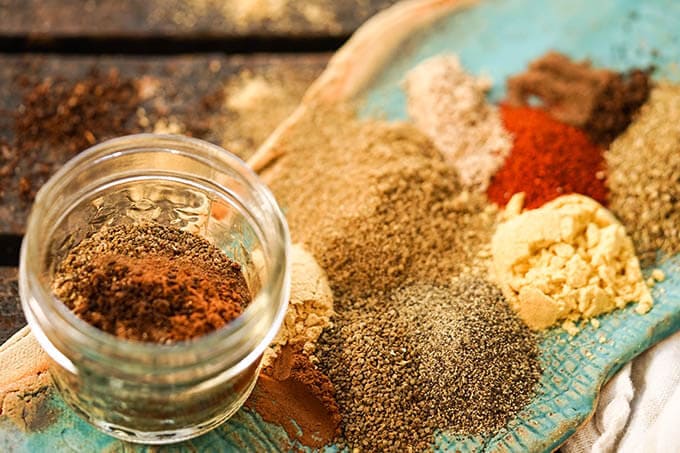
(644, 175)
(375, 202)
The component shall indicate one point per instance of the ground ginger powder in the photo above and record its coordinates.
(310, 306)
(569, 259)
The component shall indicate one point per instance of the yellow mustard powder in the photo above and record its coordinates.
(569, 259)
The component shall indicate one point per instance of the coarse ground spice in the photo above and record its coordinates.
(428, 358)
(600, 101)
(151, 283)
(68, 116)
(548, 159)
(375, 203)
(644, 175)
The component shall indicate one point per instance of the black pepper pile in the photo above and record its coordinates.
(451, 357)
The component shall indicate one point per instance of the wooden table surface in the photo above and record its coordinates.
(224, 71)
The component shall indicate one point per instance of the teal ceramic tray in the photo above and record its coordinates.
(498, 38)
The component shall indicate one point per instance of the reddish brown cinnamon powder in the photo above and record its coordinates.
(293, 393)
(174, 287)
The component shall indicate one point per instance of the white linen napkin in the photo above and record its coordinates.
(639, 409)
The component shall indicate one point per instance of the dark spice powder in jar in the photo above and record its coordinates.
(429, 358)
(151, 283)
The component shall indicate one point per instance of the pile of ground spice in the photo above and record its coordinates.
(310, 306)
(60, 118)
(151, 283)
(644, 175)
(425, 359)
(375, 203)
(294, 394)
(600, 101)
(567, 260)
(450, 106)
(548, 159)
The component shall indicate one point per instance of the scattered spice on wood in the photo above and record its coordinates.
(59, 118)
(644, 175)
(600, 101)
(428, 358)
(548, 159)
(241, 115)
(151, 283)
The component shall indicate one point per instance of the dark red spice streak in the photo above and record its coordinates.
(548, 159)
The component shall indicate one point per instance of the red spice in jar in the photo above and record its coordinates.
(548, 159)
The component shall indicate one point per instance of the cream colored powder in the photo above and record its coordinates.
(567, 260)
(310, 306)
(450, 106)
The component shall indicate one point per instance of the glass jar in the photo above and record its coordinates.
(148, 392)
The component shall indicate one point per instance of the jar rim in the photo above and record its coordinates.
(277, 282)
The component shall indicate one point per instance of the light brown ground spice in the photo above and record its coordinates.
(644, 175)
(151, 283)
(428, 358)
(376, 203)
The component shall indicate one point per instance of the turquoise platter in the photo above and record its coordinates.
(497, 38)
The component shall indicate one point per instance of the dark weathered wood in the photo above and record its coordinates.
(206, 18)
(11, 316)
(233, 101)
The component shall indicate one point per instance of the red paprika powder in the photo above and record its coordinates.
(548, 159)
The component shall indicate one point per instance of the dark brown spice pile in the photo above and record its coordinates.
(427, 358)
(151, 283)
(60, 118)
(600, 101)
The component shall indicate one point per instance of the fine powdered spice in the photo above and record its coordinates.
(569, 259)
(450, 106)
(310, 306)
(548, 159)
(644, 175)
(294, 394)
(428, 358)
(600, 101)
(151, 283)
(376, 203)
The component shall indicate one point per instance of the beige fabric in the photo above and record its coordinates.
(639, 409)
